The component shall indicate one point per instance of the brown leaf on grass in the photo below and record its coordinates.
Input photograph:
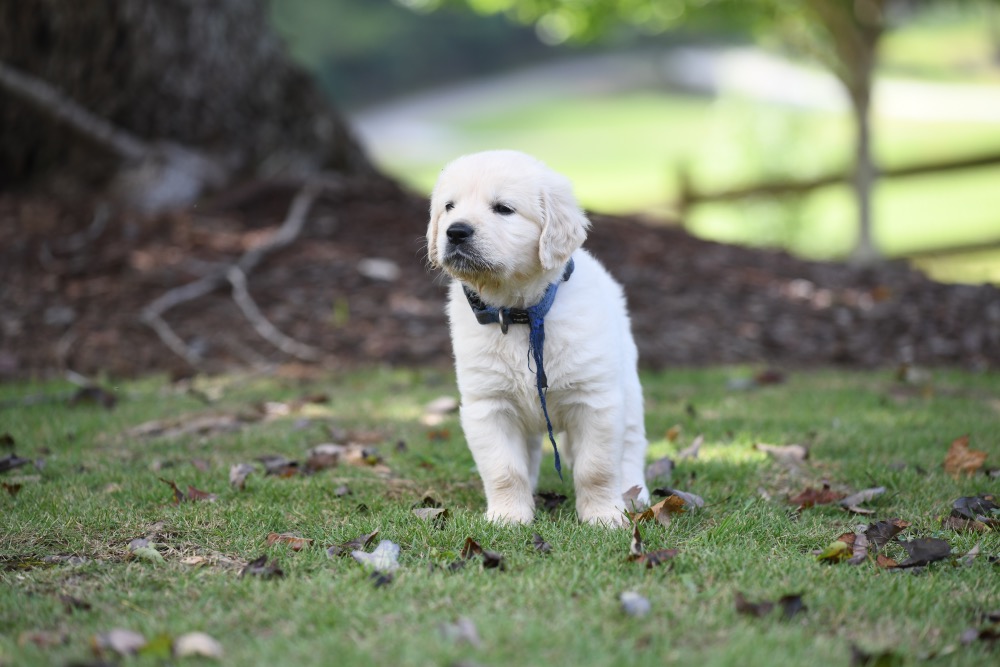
(491, 559)
(549, 500)
(884, 561)
(7, 441)
(660, 512)
(435, 515)
(650, 558)
(961, 525)
(635, 547)
(980, 509)
(322, 457)
(259, 567)
(674, 432)
(810, 497)
(658, 557)
(925, 550)
(11, 461)
(295, 542)
(360, 542)
(279, 466)
(756, 609)
(540, 544)
(12, 489)
(631, 495)
(238, 474)
(178, 494)
(881, 533)
(961, 459)
(194, 494)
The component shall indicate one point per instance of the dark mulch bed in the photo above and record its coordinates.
(69, 302)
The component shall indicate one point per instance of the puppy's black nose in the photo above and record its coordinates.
(459, 232)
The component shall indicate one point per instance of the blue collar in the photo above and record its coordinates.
(534, 317)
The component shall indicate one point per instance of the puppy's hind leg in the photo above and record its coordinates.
(503, 458)
(634, 444)
(534, 443)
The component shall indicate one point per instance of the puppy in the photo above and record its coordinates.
(541, 337)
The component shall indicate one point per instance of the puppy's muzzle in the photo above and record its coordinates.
(459, 232)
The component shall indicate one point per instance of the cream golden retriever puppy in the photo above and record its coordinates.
(541, 337)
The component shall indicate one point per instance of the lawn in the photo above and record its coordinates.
(100, 486)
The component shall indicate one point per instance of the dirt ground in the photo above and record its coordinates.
(71, 293)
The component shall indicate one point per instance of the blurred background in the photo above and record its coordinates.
(731, 120)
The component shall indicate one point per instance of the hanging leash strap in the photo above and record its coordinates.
(534, 317)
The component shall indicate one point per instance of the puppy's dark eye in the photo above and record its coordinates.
(502, 209)
(450, 205)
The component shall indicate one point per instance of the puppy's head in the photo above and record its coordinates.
(502, 218)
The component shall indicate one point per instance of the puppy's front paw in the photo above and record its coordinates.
(511, 515)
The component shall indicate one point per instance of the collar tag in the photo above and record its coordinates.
(504, 317)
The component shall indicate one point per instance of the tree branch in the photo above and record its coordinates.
(235, 274)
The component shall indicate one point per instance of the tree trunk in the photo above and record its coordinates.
(210, 75)
(854, 28)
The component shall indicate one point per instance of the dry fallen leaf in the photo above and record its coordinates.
(259, 567)
(491, 559)
(634, 604)
(197, 644)
(118, 640)
(360, 542)
(434, 515)
(881, 533)
(295, 542)
(674, 432)
(650, 558)
(853, 502)
(811, 497)
(384, 559)
(11, 461)
(925, 550)
(12, 489)
(791, 604)
(238, 474)
(540, 544)
(962, 459)
(549, 500)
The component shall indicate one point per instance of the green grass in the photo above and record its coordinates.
(98, 490)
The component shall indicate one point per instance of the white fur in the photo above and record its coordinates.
(594, 396)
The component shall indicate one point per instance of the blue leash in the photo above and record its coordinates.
(534, 317)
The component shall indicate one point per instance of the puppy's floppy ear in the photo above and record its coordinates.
(564, 226)
(432, 231)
